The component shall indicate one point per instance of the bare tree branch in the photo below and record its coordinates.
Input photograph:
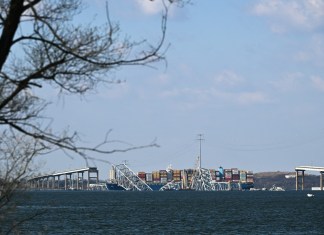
(41, 45)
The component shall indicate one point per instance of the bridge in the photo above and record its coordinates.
(300, 175)
(127, 179)
(73, 179)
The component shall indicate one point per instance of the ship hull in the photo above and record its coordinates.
(247, 186)
(116, 187)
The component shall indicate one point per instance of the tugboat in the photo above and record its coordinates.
(276, 188)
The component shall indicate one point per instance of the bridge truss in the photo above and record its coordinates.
(127, 179)
(202, 180)
(173, 185)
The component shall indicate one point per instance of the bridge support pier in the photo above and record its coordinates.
(65, 181)
(308, 168)
(92, 178)
(82, 185)
(302, 179)
(77, 181)
(58, 182)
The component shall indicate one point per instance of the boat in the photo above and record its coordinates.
(170, 179)
(255, 189)
(310, 195)
(276, 188)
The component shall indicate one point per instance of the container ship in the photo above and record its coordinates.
(232, 178)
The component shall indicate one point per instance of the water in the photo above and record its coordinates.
(88, 212)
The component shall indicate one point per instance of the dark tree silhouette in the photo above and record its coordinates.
(40, 45)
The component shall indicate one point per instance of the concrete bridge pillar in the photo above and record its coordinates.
(302, 179)
(53, 182)
(93, 178)
(82, 180)
(58, 182)
(65, 182)
(77, 181)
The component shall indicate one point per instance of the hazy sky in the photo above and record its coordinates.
(248, 75)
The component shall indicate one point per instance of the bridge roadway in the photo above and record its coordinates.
(73, 179)
(300, 172)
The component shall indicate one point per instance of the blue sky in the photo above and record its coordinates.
(248, 75)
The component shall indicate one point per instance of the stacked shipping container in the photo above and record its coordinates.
(156, 177)
(228, 175)
(177, 175)
(249, 177)
(221, 175)
(235, 175)
(142, 175)
(213, 174)
(164, 176)
(243, 176)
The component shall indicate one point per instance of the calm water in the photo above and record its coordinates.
(73, 212)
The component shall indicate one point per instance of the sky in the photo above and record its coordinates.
(247, 75)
